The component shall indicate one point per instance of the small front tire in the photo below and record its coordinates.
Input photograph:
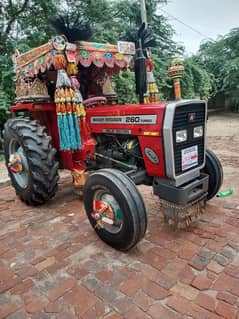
(120, 193)
(214, 169)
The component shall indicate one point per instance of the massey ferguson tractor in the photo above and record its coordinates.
(66, 116)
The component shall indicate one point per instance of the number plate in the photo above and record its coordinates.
(189, 157)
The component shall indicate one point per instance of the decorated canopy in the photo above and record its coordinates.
(86, 53)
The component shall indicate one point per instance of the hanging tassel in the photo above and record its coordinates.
(59, 61)
(78, 96)
(62, 79)
(61, 118)
(63, 103)
(73, 133)
(58, 101)
(72, 69)
(70, 125)
(77, 131)
(75, 83)
(61, 131)
(75, 123)
(80, 110)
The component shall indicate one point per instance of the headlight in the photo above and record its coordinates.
(181, 136)
(198, 131)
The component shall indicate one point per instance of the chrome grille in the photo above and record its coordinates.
(181, 122)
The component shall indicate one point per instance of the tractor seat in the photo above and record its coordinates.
(95, 101)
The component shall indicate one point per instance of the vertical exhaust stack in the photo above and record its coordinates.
(140, 66)
(144, 40)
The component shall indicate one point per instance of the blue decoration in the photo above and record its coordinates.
(72, 131)
(61, 131)
(66, 133)
(77, 131)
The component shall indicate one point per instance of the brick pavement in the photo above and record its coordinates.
(52, 265)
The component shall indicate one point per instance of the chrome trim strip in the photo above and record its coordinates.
(168, 144)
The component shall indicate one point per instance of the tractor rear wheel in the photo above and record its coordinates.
(115, 208)
(30, 160)
(214, 169)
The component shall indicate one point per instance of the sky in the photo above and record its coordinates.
(209, 17)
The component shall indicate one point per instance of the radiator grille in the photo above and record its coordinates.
(181, 122)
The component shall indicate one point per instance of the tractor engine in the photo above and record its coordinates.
(118, 151)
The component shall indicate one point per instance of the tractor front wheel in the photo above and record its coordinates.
(115, 208)
(214, 169)
(30, 160)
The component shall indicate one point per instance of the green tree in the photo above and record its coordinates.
(23, 25)
(221, 60)
(197, 82)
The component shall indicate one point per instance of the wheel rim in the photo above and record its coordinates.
(18, 163)
(108, 198)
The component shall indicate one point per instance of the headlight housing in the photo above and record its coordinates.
(181, 136)
(198, 131)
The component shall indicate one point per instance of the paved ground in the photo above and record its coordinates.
(52, 265)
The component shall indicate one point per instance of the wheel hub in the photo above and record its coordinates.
(15, 163)
(18, 164)
(102, 213)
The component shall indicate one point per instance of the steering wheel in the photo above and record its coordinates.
(95, 101)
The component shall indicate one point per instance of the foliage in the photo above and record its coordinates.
(125, 87)
(221, 59)
(197, 82)
(24, 25)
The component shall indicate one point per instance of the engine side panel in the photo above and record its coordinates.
(143, 121)
(137, 119)
(152, 151)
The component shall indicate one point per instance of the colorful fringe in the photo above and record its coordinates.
(67, 119)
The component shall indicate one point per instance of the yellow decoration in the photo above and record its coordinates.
(80, 110)
(79, 178)
(59, 61)
(72, 69)
(175, 72)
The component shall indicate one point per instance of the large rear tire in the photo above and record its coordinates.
(27, 142)
(118, 191)
(214, 169)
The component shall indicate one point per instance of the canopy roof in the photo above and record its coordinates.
(86, 53)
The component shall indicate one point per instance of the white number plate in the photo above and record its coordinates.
(189, 157)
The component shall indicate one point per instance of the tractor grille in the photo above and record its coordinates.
(182, 121)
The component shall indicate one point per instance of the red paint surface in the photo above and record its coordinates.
(45, 113)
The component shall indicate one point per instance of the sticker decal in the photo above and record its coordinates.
(189, 157)
(151, 155)
(116, 131)
(129, 119)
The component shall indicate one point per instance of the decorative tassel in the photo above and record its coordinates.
(75, 120)
(62, 79)
(77, 131)
(59, 61)
(68, 100)
(61, 122)
(72, 69)
(66, 133)
(61, 130)
(75, 83)
(80, 110)
(73, 133)
(78, 96)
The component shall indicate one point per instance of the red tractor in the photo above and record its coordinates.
(66, 116)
